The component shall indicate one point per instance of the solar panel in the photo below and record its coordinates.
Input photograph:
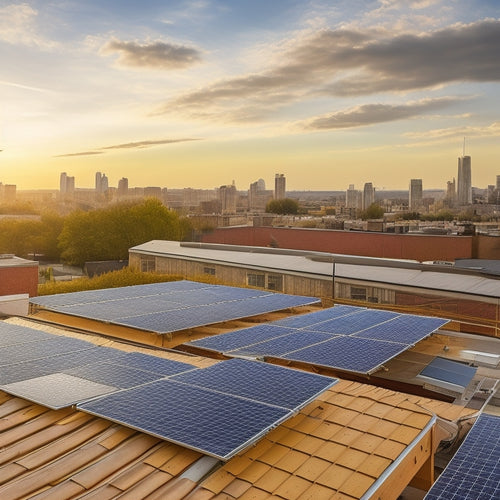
(259, 381)
(474, 471)
(404, 328)
(279, 346)
(213, 423)
(112, 374)
(14, 334)
(312, 318)
(171, 306)
(448, 371)
(348, 353)
(241, 338)
(57, 390)
(355, 322)
(161, 366)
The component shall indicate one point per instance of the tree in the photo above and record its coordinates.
(286, 206)
(374, 211)
(107, 234)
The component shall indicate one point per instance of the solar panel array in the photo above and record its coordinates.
(347, 338)
(169, 307)
(218, 410)
(449, 372)
(70, 370)
(474, 471)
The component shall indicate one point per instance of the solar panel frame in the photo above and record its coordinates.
(258, 381)
(351, 354)
(216, 424)
(474, 471)
(310, 319)
(448, 371)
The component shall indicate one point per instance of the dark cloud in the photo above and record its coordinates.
(369, 114)
(352, 63)
(158, 55)
(147, 144)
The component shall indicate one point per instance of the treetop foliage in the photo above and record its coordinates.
(286, 206)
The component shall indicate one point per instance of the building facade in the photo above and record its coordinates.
(415, 195)
(464, 181)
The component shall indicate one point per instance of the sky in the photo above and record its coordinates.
(202, 93)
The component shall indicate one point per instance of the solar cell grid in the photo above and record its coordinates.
(210, 422)
(154, 364)
(449, 371)
(474, 471)
(312, 318)
(352, 323)
(14, 334)
(241, 338)
(281, 345)
(348, 353)
(259, 381)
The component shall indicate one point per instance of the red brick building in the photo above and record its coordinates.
(18, 276)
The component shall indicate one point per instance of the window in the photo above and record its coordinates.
(275, 282)
(209, 270)
(148, 264)
(258, 280)
(358, 293)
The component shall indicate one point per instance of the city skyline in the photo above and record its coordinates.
(196, 94)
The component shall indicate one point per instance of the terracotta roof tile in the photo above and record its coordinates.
(390, 449)
(254, 472)
(292, 488)
(334, 476)
(374, 465)
(356, 485)
(272, 479)
(217, 481)
(273, 454)
(291, 461)
(316, 492)
(309, 444)
(352, 459)
(312, 468)
(346, 436)
(330, 451)
(236, 488)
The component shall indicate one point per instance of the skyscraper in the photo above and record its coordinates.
(101, 183)
(368, 195)
(415, 195)
(464, 181)
(62, 182)
(279, 187)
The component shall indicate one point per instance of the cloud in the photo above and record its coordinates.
(492, 130)
(83, 153)
(158, 55)
(147, 144)
(129, 145)
(369, 114)
(350, 62)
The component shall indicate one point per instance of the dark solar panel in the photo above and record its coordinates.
(312, 318)
(474, 471)
(14, 334)
(259, 381)
(241, 338)
(161, 366)
(211, 422)
(353, 323)
(279, 346)
(349, 353)
(405, 328)
(112, 374)
(449, 371)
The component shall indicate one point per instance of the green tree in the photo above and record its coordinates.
(374, 211)
(107, 234)
(286, 206)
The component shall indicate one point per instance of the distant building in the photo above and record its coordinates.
(415, 195)
(498, 182)
(464, 181)
(368, 195)
(66, 184)
(228, 199)
(123, 187)
(353, 198)
(101, 182)
(279, 187)
(258, 196)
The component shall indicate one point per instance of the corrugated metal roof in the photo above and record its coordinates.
(297, 262)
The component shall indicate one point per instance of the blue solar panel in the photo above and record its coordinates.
(312, 318)
(349, 353)
(281, 345)
(259, 381)
(474, 471)
(161, 366)
(172, 306)
(405, 328)
(353, 323)
(14, 334)
(213, 423)
(42, 349)
(447, 370)
(241, 338)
